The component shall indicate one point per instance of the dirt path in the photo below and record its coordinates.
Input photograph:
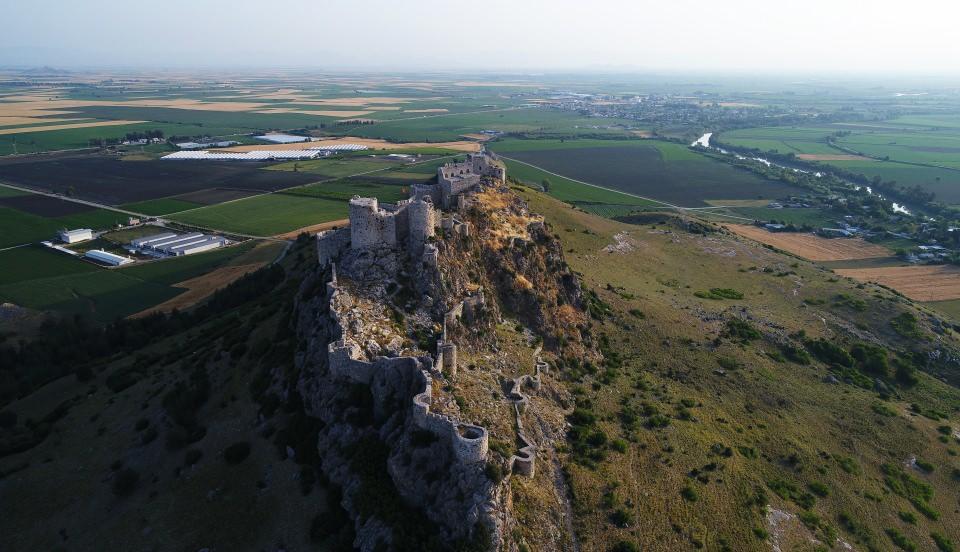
(312, 229)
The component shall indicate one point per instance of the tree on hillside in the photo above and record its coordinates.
(545, 184)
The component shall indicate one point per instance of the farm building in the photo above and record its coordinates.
(340, 147)
(203, 145)
(76, 236)
(282, 138)
(107, 257)
(174, 245)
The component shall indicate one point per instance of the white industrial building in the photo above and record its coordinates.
(107, 257)
(283, 138)
(258, 155)
(170, 244)
(76, 236)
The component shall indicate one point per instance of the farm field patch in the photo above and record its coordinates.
(574, 192)
(813, 247)
(336, 168)
(920, 283)
(65, 126)
(105, 294)
(658, 170)
(114, 182)
(212, 196)
(44, 206)
(18, 227)
(37, 261)
(158, 207)
(449, 127)
(266, 215)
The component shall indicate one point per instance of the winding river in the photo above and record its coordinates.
(704, 142)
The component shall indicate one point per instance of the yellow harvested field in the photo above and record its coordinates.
(642, 133)
(18, 130)
(813, 247)
(19, 121)
(342, 223)
(477, 136)
(435, 110)
(920, 283)
(369, 142)
(831, 157)
(201, 287)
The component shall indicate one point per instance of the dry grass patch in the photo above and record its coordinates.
(314, 228)
(813, 247)
(200, 288)
(920, 283)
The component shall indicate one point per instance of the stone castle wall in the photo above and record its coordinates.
(371, 226)
(331, 244)
(469, 442)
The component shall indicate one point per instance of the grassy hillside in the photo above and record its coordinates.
(158, 441)
(710, 408)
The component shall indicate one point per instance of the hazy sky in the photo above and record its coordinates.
(847, 36)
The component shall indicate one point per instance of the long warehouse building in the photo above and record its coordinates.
(170, 244)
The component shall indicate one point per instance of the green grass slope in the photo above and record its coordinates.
(711, 426)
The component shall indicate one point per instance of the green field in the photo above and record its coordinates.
(75, 138)
(781, 139)
(570, 191)
(662, 171)
(266, 215)
(335, 168)
(919, 150)
(18, 227)
(36, 261)
(56, 282)
(158, 207)
(451, 127)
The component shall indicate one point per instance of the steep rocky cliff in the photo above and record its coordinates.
(431, 378)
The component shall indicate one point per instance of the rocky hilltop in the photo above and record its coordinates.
(426, 353)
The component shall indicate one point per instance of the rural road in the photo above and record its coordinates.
(664, 203)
